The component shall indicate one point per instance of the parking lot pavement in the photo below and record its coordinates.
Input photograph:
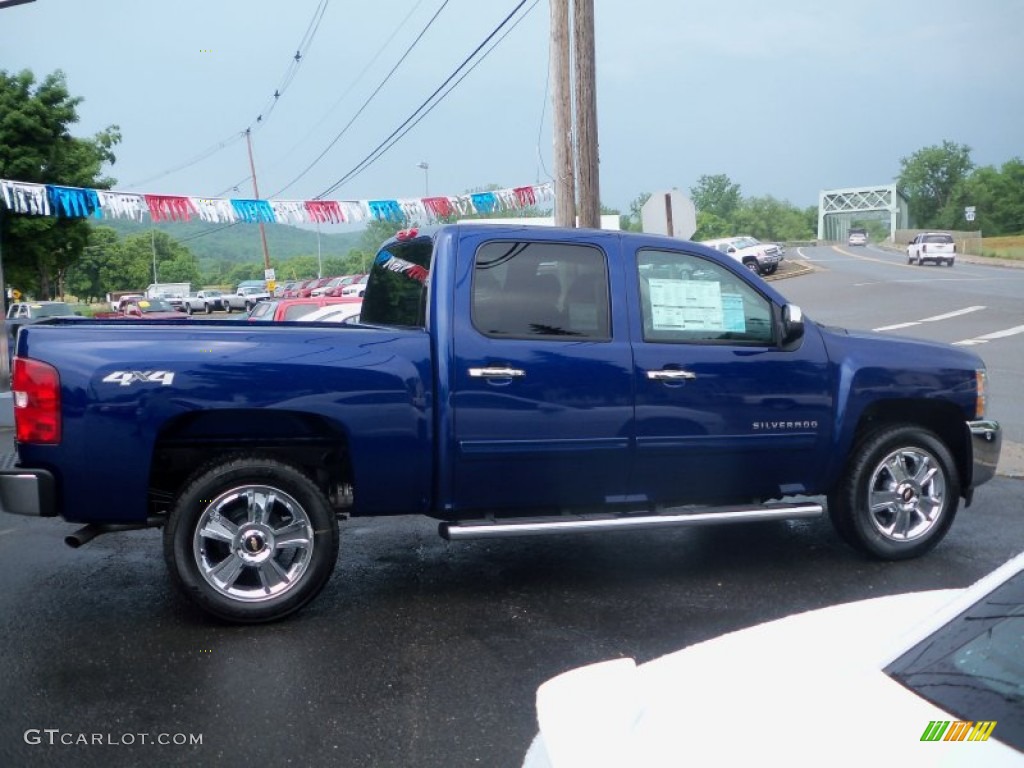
(419, 651)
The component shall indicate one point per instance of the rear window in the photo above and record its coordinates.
(938, 239)
(396, 289)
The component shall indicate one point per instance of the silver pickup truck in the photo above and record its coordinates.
(245, 298)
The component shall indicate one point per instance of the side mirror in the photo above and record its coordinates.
(792, 324)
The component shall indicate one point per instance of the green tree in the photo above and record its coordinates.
(716, 194)
(929, 178)
(997, 196)
(36, 145)
(768, 218)
(633, 221)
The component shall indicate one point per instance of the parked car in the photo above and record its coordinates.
(772, 249)
(141, 308)
(936, 247)
(307, 289)
(943, 665)
(347, 312)
(206, 300)
(506, 380)
(246, 297)
(22, 313)
(293, 309)
(759, 259)
(356, 287)
(325, 288)
(298, 287)
(37, 310)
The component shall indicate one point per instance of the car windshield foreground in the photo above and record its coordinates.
(875, 681)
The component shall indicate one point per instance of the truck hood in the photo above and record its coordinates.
(896, 351)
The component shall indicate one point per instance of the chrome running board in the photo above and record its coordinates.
(540, 526)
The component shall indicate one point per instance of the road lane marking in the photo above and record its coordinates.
(933, 319)
(955, 313)
(990, 336)
(898, 325)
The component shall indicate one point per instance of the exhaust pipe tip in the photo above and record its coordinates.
(83, 535)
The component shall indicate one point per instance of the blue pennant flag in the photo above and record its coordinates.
(74, 202)
(386, 210)
(484, 202)
(252, 211)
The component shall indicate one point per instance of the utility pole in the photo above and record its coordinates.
(561, 97)
(256, 194)
(586, 114)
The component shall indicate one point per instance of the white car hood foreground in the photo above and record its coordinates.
(801, 691)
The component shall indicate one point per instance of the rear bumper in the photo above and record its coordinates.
(986, 443)
(26, 491)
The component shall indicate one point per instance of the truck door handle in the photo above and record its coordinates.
(496, 372)
(668, 374)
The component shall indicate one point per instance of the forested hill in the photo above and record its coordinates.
(240, 243)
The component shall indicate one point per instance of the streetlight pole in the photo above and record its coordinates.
(426, 176)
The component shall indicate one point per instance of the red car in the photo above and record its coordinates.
(344, 282)
(293, 291)
(292, 309)
(307, 289)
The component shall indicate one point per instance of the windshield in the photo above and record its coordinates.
(973, 667)
(51, 310)
(154, 305)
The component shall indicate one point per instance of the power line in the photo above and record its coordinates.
(286, 80)
(394, 137)
(366, 103)
(358, 78)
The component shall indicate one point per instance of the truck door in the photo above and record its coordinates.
(541, 374)
(723, 411)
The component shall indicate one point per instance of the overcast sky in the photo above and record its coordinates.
(787, 97)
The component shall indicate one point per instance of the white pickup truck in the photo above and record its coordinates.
(937, 247)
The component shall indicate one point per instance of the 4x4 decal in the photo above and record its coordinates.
(125, 378)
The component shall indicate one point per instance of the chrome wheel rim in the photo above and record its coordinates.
(906, 494)
(253, 543)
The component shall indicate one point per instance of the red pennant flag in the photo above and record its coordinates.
(525, 196)
(169, 207)
(325, 211)
(441, 207)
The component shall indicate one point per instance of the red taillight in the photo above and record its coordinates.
(36, 390)
(406, 234)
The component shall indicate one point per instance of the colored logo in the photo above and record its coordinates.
(958, 730)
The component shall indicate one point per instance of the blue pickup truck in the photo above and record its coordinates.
(505, 380)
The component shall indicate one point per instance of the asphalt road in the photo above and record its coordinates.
(424, 653)
(977, 306)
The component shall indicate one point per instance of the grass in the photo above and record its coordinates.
(1009, 247)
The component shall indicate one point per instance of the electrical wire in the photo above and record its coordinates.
(358, 78)
(286, 80)
(366, 103)
(411, 121)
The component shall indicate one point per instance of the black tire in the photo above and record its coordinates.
(229, 520)
(209, 309)
(899, 494)
(227, 307)
(188, 309)
(949, 262)
(751, 265)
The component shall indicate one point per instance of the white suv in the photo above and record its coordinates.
(937, 247)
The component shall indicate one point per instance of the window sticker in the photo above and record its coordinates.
(733, 317)
(688, 305)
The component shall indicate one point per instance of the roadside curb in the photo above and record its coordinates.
(789, 269)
